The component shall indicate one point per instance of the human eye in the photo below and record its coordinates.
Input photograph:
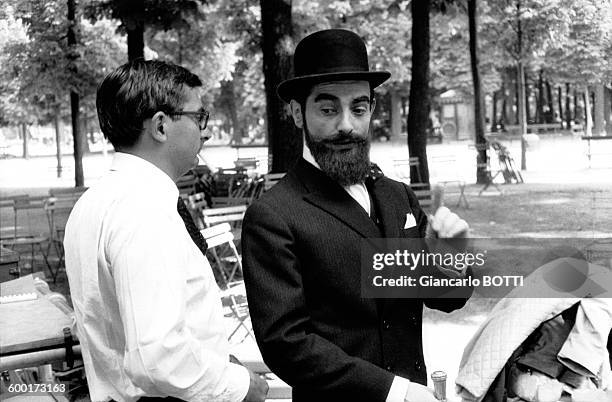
(327, 110)
(360, 110)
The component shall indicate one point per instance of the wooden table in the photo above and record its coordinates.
(33, 330)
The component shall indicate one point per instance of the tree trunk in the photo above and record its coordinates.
(494, 112)
(83, 132)
(74, 99)
(560, 104)
(479, 120)
(396, 114)
(588, 119)
(133, 18)
(58, 142)
(522, 114)
(599, 125)
(550, 113)
(284, 140)
(522, 95)
(505, 119)
(576, 106)
(568, 112)
(24, 136)
(511, 98)
(528, 116)
(229, 97)
(418, 111)
(540, 118)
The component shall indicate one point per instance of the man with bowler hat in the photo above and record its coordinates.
(301, 243)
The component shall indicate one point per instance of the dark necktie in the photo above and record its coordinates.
(192, 229)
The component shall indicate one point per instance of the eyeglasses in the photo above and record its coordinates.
(201, 117)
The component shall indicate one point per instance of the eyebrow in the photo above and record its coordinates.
(324, 97)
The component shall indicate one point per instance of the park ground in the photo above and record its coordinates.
(564, 196)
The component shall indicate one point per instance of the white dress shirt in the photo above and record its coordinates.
(149, 314)
(359, 193)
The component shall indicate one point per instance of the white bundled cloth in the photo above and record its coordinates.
(515, 317)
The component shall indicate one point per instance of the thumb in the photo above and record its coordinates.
(437, 200)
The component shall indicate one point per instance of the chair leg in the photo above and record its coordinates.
(462, 197)
(53, 274)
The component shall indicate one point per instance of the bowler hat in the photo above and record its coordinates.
(329, 55)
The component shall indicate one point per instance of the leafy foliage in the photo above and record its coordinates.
(36, 77)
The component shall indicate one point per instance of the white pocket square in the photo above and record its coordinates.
(410, 221)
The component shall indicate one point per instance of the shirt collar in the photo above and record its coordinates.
(307, 155)
(156, 179)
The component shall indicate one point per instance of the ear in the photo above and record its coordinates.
(158, 127)
(296, 112)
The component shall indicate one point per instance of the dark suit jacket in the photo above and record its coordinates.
(301, 258)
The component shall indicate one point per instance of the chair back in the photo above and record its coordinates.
(213, 216)
(271, 179)
(246, 163)
(186, 184)
(218, 202)
(423, 194)
(71, 192)
(402, 168)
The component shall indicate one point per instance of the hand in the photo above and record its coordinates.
(419, 393)
(446, 224)
(258, 388)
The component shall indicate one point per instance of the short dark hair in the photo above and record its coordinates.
(136, 91)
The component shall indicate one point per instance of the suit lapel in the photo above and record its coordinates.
(329, 196)
(387, 203)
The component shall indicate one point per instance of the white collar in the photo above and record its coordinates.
(156, 179)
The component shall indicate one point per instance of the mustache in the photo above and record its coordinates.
(344, 138)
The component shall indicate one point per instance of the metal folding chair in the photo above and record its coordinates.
(25, 236)
(224, 253)
(233, 295)
(58, 209)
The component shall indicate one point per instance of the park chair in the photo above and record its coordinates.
(187, 184)
(225, 256)
(72, 192)
(246, 164)
(402, 168)
(26, 236)
(232, 215)
(234, 300)
(423, 193)
(218, 202)
(57, 210)
(214, 216)
(450, 176)
(271, 179)
(221, 247)
(195, 203)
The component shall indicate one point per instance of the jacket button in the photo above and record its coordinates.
(389, 368)
(417, 366)
(386, 324)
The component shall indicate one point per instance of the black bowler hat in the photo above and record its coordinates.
(329, 55)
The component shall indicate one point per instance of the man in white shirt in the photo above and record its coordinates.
(148, 310)
(301, 243)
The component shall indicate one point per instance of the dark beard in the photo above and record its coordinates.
(347, 167)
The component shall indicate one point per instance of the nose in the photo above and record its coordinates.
(345, 124)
